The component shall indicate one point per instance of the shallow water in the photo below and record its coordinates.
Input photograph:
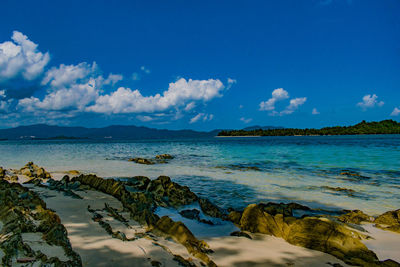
(300, 169)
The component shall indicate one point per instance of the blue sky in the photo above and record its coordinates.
(199, 64)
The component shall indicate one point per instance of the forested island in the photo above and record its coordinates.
(382, 127)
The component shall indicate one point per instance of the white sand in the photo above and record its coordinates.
(264, 250)
(385, 244)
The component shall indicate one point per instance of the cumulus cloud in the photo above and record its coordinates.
(20, 57)
(370, 101)
(395, 112)
(201, 116)
(279, 95)
(315, 111)
(243, 119)
(179, 93)
(70, 90)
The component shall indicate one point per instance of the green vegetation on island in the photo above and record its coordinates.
(382, 127)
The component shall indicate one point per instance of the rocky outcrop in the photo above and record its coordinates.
(141, 161)
(164, 156)
(194, 214)
(355, 217)
(210, 209)
(22, 211)
(2, 173)
(34, 171)
(310, 232)
(389, 221)
(180, 233)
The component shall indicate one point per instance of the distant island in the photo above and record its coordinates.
(382, 127)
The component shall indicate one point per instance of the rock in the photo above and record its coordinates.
(389, 221)
(168, 193)
(192, 214)
(73, 172)
(155, 263)
(34, 171)
(210, 209)
(2, 173)
(356, 217)
(353, 174)
(183, 262)
(241, 234)
(235, 216)
(180, 233)
(139, 182)
(141, 161)
(164, 156)
(310, 232)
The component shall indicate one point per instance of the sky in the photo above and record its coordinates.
(199, 65)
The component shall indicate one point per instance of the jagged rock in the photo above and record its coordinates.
(210, 209)
(139, 182)
(164, 156)
(34, 171)
(180, 233)
(353, 174)
(141, 161)
(73, 172)
(183, 262)
(356, 217)
(389, 221)
(167, 193)
(235, 216)
(241, 234)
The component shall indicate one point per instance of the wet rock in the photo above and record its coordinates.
(356, 217)
(241, 234)
(168, 193)
(73, 172)
(210, 209)
(353, 174)
(164, 156)
(139, 182)
(183, 262)
(235, 216)
(155, 263)
(349, 192)
(192, 214)
(114, 213)
(389, 221)
(141, 161)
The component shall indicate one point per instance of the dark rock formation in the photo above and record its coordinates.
(210, 209)
(356, 217)
(164, 156)
(34, 171)
(141, 161)
(194, 214)
(389, 221)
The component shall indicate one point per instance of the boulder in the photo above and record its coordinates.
(355, 217)
(2, 173)
(389, 221)
(34, 171)
(210, 209)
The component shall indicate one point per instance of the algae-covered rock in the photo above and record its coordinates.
(141, 161)
(164, 156)
(34, 171)
(389, 221)
(210, 209)
(356, 217)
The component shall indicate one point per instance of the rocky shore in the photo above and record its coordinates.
(129, 217)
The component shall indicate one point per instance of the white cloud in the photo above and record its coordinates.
(293, 106)
(201, 116)
(21, 57)
(370, 101)
(277, 95)
(75, 97)
(190, 106)
(246, 120)
(144, 118)
(179, 93)
(145, 70)
(112, 79)
(65, 75)
(395, 112)
(315, 111)
(2, 93)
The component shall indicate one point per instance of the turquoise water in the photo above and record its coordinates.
(289, 168)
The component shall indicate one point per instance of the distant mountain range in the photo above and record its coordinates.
(43, 131)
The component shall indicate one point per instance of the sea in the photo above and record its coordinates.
(324, 172)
